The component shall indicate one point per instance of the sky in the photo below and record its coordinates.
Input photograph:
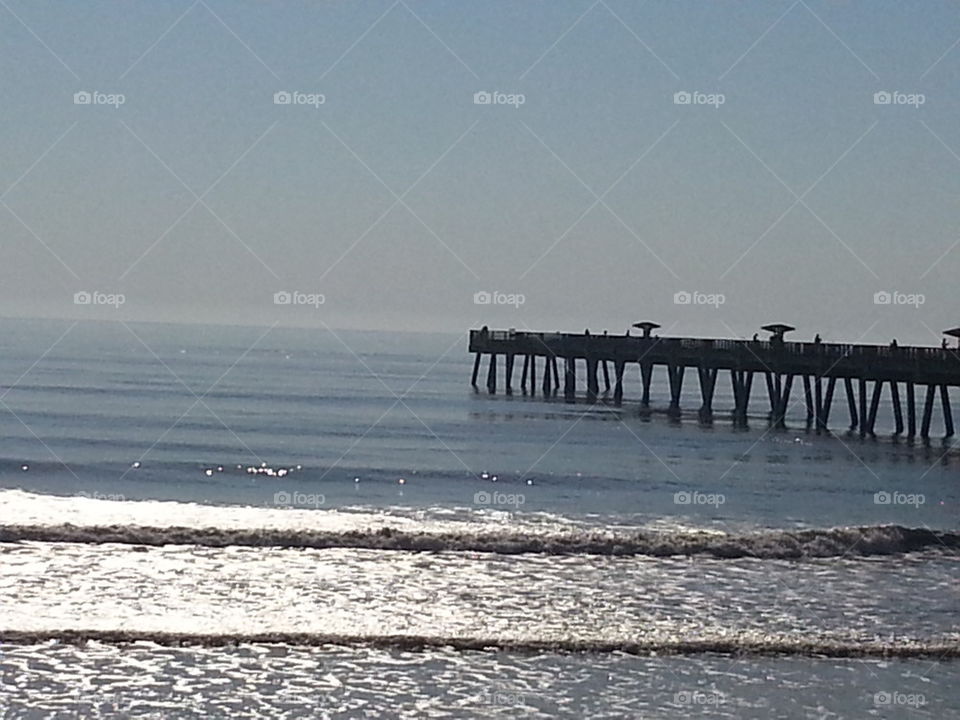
(711, 166)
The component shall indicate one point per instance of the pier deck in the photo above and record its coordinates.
(864, 370)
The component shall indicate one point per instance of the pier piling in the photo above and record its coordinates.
(897, 409)
(476, 370)
(618, 368)
(646, 374)
(945, 406)
(708, 381)
(533, 375)
(927, 412)
(675, 375)
(851, 402)
(570, 380)
(911, 412)
(593, 385)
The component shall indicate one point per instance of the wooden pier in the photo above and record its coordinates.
(862, 372)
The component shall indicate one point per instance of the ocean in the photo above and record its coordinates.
(226, 522)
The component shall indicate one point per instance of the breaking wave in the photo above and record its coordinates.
(772, 544)
(722, 645)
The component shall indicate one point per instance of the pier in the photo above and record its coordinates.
(821, 371)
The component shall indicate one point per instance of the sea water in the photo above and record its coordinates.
(266, 522)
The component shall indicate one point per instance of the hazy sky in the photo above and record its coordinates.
(783, 187)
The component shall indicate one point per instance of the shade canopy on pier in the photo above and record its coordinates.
(954, 332)
(646, 326)
(778, 329)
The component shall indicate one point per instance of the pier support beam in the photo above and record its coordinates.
(874, 405)
(897, 409)
(570, 380)
(823, 408)
(546, 377)
(606, 377)
(708, 381)
(808, 399)
(911, 411)
(492, 375)
(618, 368)
(509, 374)
(675, 375)
(927, 412)
(476, 371)
(646, 373)
(533, 376)
(556, 374)
(593, 385)
(945, 406)
(742, 381)
(862, 385)
(784, 402)
(523, 375)
(851, 402)
(778, 390)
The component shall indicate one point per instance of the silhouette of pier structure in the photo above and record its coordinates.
(861, 372)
